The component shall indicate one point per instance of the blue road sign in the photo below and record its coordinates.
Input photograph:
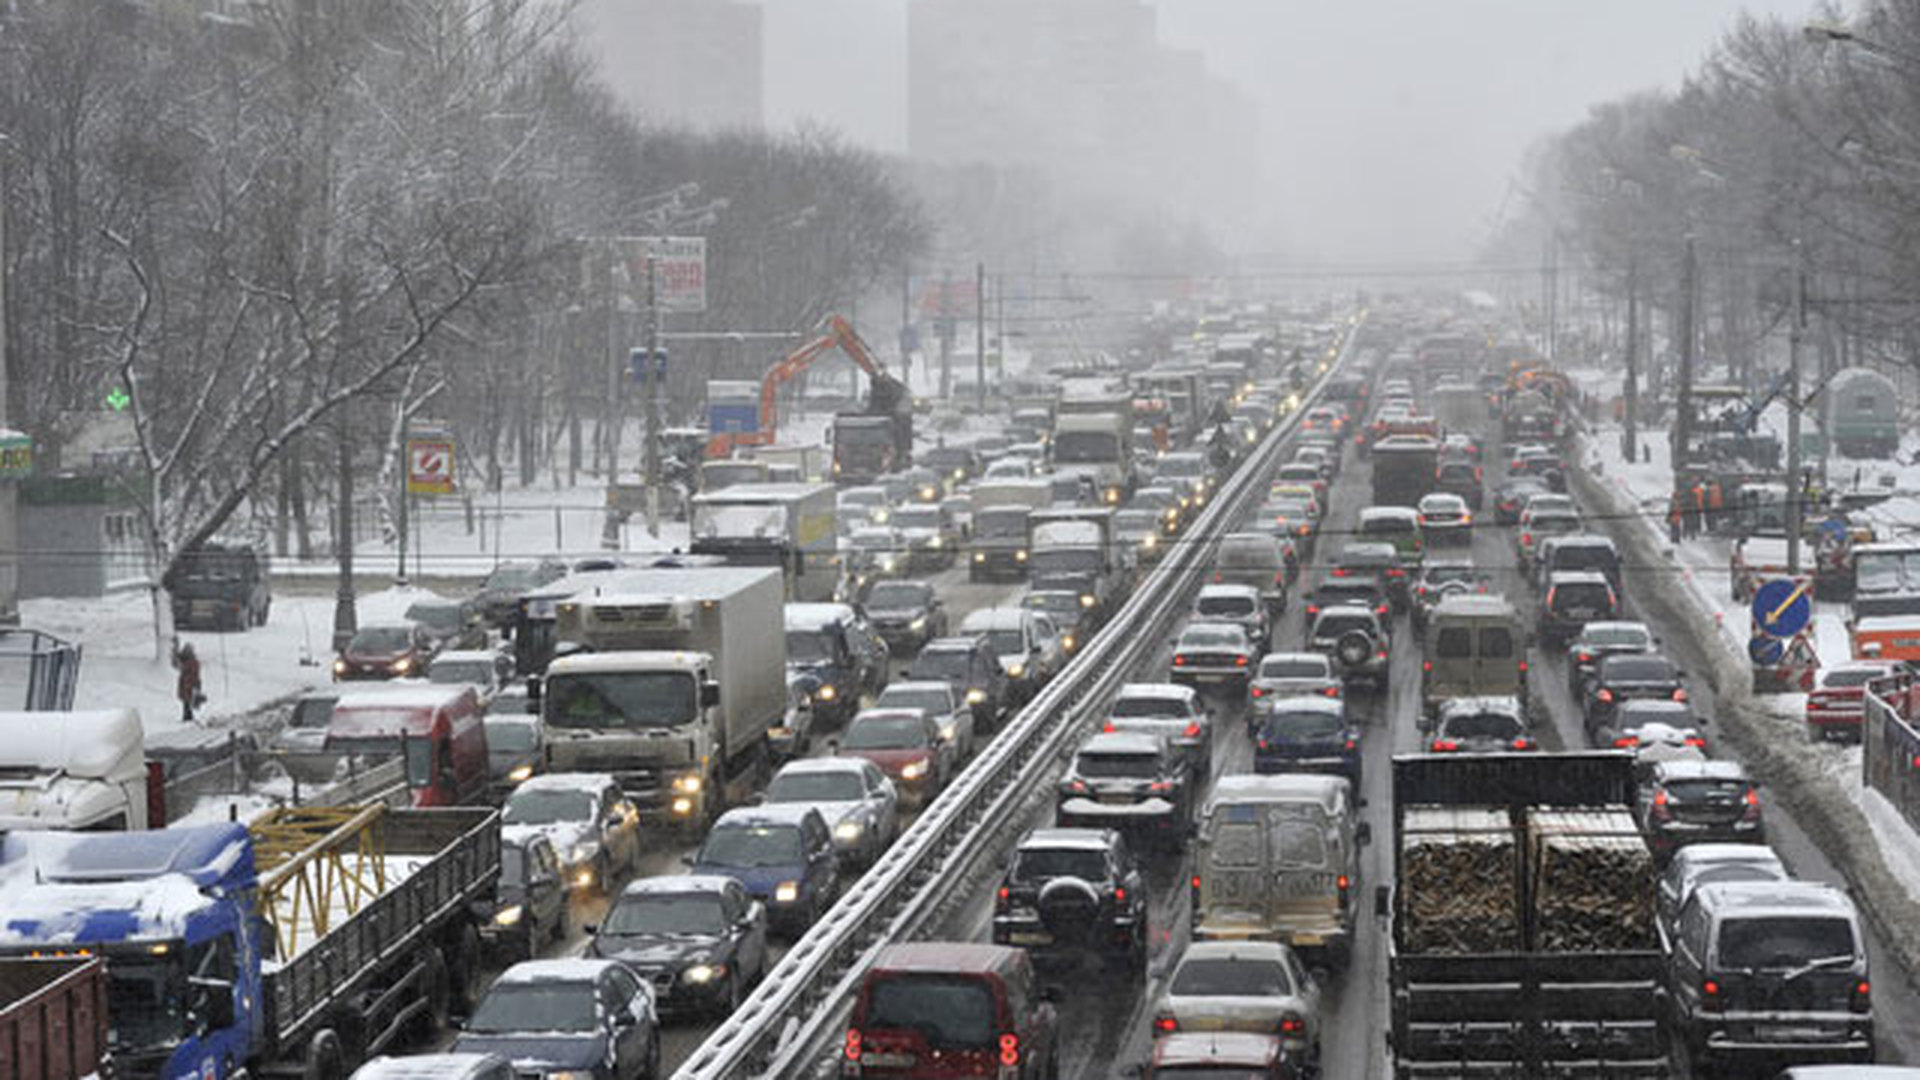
(1782, 608)
(1766, 651)
(637, 364)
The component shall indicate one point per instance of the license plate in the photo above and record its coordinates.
(888, 1061)
(1030, 937)
(1792, 1034)
(1116, 800)
(1582, 613)
(1308, 940)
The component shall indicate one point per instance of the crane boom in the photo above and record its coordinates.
(836, 332)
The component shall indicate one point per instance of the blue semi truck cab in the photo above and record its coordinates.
(214, 967)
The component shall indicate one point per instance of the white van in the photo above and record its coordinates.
(1278, 859)
(72, 771)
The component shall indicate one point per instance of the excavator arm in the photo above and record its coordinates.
(837, 333)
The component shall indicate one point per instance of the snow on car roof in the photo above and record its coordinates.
(1077, 839)
(826, 764)
(1706, 769)
(409, 697)
(575, 969)
(668, 884)
(1123, 742)
(565, 781)
(1160, 690)
(996, 619)
(816, 616)
(1278, 787)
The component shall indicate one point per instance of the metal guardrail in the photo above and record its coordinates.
(1890, 744)
(794, 1016)
(236, 771)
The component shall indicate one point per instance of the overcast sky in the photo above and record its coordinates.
(1394, 126)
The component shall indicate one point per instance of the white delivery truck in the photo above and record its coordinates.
(72, 771)
(790, 526)
(686, 678)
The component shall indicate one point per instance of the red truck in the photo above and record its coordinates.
(53, 1018)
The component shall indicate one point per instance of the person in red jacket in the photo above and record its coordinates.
(187, 686)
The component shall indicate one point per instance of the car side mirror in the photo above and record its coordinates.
(625, 1018)
(709, 695)
(590, 929)
(687, 861)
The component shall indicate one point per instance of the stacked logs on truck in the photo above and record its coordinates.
(1459, 887)
(1591, 881)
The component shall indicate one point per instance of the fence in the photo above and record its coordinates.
(1890, 745)
(240, 770)
(45, 667)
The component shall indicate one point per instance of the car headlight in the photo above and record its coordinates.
(786, 892)
(827, 692)
(949, 728)
(1020, 555)
(701, 974)
(927, 494)
(887, 563)
(914, 770)
(1069, 642)
(1087, 600)
(403, 665)
(687, 784)
(519, 773)
(976, 697)
(880, 517)
(1016, 671)
(339, 667)
(583, 877)
(1150, 542)
(510, 916)
(980, 556)
(848, 831)
(937, 542)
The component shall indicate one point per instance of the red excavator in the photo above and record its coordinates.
(878, 439)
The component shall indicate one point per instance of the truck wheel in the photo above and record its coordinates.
(325, 1059)
(438, 1016)
(467, 983)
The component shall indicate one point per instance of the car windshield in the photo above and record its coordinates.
(1637, 669)
(947, 665)
(511, 736)
(1085, 447)
(747, 846)
(949, 1012)
(1303, 724)
(1055, 603)
(145, 1002)
(812, 787)
(477, 672)
(1614, 637)
(1580, 594)
(1340, 623)
(1224, 977)
(511, 579)
(885, 733)
(1142, 707)
(1482, 725)
(935, 700)
(1100, 765)
(547, 806)
(1260, 555)
(1227, 607)
(895, 595)
(513, 865)
(1045, 864)
(1388, 526)
(1182, 465)
(916, 517)
(667, 915)
(810, 647)
(1784, 942)
(1006, 642)
(381, 639)
(1706, 789)
(548, 1005)
(438, 616)
(1294, 667)
(1213, 637)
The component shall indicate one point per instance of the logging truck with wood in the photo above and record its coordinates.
(1521, 937)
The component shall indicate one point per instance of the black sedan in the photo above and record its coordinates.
(529, 908)
(1511, 496)
(700, 941)
(1629, 675)
(585, 1018)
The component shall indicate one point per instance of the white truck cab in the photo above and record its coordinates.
(72, 771)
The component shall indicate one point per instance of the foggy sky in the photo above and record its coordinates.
(1393, 128)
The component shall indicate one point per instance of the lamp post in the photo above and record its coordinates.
(9, 494)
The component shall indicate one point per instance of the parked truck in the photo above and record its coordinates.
(299, 945)
(790, 526)
(77, 771)
(1002, 526)
(53, 1018)
(686, 678)
(1522, 939)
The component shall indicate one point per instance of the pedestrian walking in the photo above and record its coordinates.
(1716, 506)
(1696, 507)
(1673, 517)
(187, 686)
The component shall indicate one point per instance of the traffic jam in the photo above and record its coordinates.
(1410, 782)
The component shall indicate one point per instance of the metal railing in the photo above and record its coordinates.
(798, 1011)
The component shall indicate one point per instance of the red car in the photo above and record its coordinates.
(906, 745)
(1837, 707)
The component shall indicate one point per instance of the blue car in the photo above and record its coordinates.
(1307, 734)
(782, 854)
(580, 1017)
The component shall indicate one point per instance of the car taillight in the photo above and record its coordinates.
(1292, 1025)
(1257, 692)
(1862, 997)
(1009, 1049)
(1523, 744)
(1165, 1025)
(1441, 746)
(1107, 728)
(1583, 658)
(1604, 694)
(1193, 729)
(1752, 799)
(1119, 894)
(1195, 883)
(1679, 693)
(1239, 661)
(1426, 665)
(1331, 691)
(1698, 742)
(1395, 571)
(1160, 787)
(1216, 578)
(1352, 744)
(1381, 610)
(1341, 571)
(1526, 539)
(1078, 785)
(1710, 997)
(1523, 667)
(1179, 660)
(1279, 577)
(1660, 801)
(1312, 610)
(853, 1044)
(1382, 654)
(1002, 895)
(1626, 742)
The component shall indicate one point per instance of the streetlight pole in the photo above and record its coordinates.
(1683, 421)
(1630, 427)
(653, 371)
(980, 336)
(1796, 334)
(9, 491)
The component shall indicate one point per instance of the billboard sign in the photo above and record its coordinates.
(430, 465)
(679, 271)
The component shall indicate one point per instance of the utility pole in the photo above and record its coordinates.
(1796, 488)
(345, 619)
(1630, 428)
(906, 323)
(655, 372)
(980, 335)
(9, 490)
(616, 416)
(945, 326)
(1683, 420)
(400, 497)
(1550, 296)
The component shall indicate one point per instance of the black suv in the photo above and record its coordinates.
(1132, 781)
(1629, 675)
(1573, 599)
(1074, 890)
(906, 614)
(1382, 560)
(972, 669)
(1350, 590)
(1462, 478)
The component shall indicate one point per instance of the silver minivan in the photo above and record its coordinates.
(1277, 858)
(1475, 646)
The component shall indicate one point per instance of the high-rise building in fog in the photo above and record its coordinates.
(1082, 91)
(692, 62)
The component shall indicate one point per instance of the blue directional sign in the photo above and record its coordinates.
(637, 364)
(1782, 608)
(1766, 651)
